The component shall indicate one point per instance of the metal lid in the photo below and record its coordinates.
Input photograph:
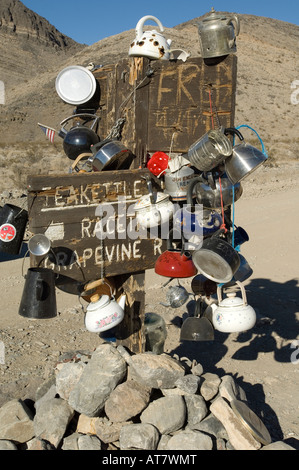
(251, 421)
(75, 85)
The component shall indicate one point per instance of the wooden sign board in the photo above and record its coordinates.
(167, 105)
(91, 222)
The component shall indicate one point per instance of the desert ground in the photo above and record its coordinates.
(264, 361)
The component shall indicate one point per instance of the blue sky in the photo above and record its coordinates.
(92, 20)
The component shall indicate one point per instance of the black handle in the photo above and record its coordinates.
(233, 131)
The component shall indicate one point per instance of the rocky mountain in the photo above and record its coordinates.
(33, 52)
(29, 44)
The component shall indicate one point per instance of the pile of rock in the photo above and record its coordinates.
(112, 400)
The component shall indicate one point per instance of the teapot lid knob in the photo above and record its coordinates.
(231, 295)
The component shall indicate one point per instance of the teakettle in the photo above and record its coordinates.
(233, 314)
(217, 34)
(175, 263)
(154, 208)
(150, 44)
(104, 313)
(79, 138)
(214, 190)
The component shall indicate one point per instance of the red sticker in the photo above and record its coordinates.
(7, 232)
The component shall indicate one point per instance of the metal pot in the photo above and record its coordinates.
(210, 150)
(111, 155)
(217, 34)
(244, 160)
(216, 259)
(212, 194)
(176, 182)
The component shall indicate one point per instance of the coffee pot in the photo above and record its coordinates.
(217, 34)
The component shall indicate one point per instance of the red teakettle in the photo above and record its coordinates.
(175, 263)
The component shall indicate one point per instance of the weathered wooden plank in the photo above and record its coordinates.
(91, 223)
(167, 104)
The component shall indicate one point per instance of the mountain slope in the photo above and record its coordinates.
(268, 60)
(29, 44)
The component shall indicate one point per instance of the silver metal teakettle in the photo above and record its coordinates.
(217, 34)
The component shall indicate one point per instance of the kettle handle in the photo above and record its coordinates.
(190, 189)
(243, 291)
(233, 131)
(140, 24)
(91, 116)
(234, 20)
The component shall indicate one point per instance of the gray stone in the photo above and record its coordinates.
(105, 370)
(50, 393)
(138, 436)
(239, 437)
(162, 445)
(210, 386)
(211, 425)
(189, 383)
(278, 445)
(197, 410)
(71, 442)
(52, 419)
(126, 401)
(16, 422)
(108, 432)
(190, 440)
(156, 371)
(67, 377)
(7, 445)
(86, 442)
(230, 390)
(167, 414)
(39, 444)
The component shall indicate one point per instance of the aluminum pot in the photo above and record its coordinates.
(244, 159)
(210, 150)
(211, 193)
(111, 155)
(216, 259)
(176, 182)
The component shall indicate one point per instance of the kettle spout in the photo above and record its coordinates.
(122, 302)
(169, 42)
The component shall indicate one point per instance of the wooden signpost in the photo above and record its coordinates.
(89, 218)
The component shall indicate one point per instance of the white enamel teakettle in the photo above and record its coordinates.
(233, 314)
(104, 313)
(152, 44)
(153, 209)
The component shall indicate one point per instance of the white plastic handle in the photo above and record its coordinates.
(244, 297)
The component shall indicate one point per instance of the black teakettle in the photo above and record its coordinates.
(80, 137)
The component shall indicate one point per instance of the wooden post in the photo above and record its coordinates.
(130, 332)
